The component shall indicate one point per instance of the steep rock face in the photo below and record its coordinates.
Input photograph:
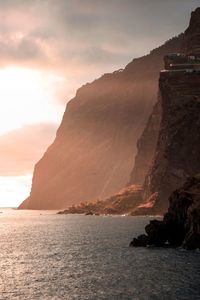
(146, 146)
(191, 43)
(92, 155)
(177, 152)
(181, 223)
(147, 142)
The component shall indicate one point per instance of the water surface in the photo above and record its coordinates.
(48, 256)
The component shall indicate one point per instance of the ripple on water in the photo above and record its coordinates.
(53, 256)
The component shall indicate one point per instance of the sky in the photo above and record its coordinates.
(49, 48)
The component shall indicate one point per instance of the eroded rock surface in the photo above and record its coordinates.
(176, 153)
(124, 202)
(181, 223)
(146, 146)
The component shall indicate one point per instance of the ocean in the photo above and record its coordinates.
(48, 256)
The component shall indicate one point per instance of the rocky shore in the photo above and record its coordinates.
(121, 203)
(181, 224)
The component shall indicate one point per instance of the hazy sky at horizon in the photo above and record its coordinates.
(48, 48)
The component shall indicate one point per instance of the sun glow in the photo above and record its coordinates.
(14, 189)
(26, 97)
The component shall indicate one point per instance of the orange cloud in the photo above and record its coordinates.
(83, 39)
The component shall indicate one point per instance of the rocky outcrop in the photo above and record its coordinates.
(92, 155)
(191, 44)
(177, 150)
(146, 146)
(181, 224)
(124, 202)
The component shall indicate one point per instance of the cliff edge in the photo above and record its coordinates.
(176, 153)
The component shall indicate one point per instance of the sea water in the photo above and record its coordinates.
(48, 256)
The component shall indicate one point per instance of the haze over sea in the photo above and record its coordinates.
(48, 256)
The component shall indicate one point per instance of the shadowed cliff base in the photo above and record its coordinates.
(181, 223)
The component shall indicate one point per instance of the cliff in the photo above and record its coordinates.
(92, 155)
(177, 149)
(181, 223)
(191, 42)
(146, 146)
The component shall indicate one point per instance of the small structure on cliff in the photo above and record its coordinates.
(181, 62)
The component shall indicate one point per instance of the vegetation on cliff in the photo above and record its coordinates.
(123, 202)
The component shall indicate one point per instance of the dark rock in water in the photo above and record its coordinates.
(181, 224)
(89, 213)
(192, 241)
(157, 233)
(176, 217)
(141, 241)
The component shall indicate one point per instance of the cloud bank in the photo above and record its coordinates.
(84, 38)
